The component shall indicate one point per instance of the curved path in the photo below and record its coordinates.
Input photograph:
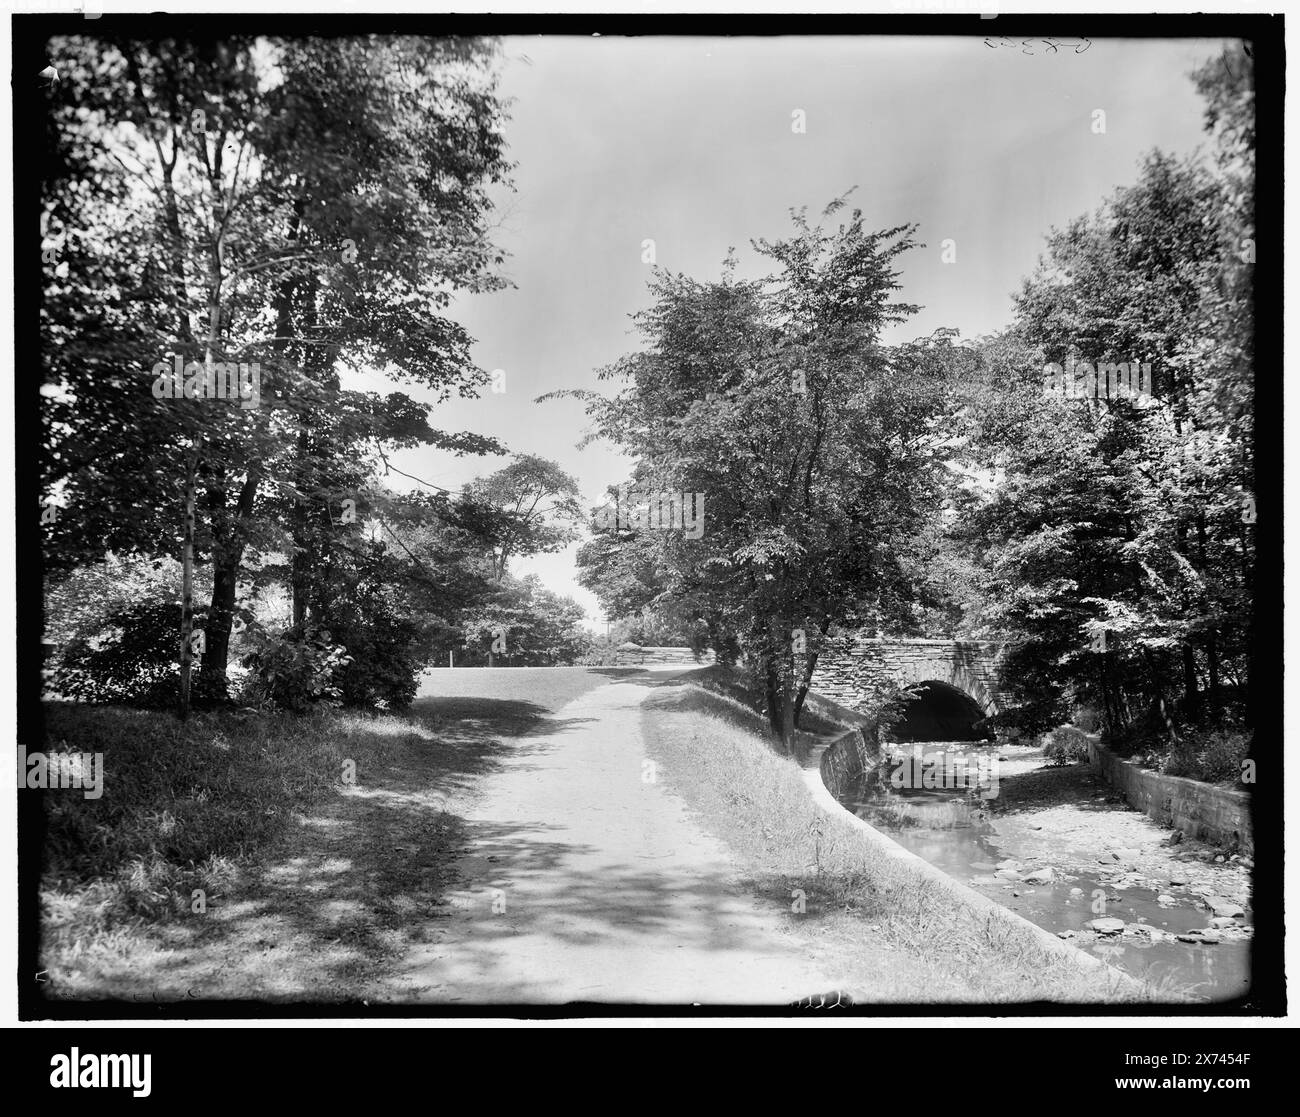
(586, 881)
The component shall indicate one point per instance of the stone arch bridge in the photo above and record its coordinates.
(956, 681)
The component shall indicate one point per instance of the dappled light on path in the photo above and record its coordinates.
(586, 881)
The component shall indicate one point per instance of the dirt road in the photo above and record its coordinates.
(586, 881)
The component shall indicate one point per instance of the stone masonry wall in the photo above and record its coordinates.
(1201, 810)
(851, 672)
(845, 758)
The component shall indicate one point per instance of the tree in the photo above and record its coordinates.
(286, 204)
(524, 624)
(812, 447)
(536, 505)
(1116, 537)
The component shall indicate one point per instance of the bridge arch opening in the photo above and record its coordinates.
(937, 711)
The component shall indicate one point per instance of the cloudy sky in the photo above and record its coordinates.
(689, 142)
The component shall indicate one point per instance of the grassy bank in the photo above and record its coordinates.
(890, 936)
(185, 804)
(229, 857)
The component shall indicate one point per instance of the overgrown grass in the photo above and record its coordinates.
(897, 935)
(1211, 755)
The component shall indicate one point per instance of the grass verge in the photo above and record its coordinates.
(247, 856)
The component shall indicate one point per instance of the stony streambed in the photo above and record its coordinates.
(1058, 846)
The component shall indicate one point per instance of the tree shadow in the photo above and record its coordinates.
(1073, 785)
(530, 903)
(626, 674)
(351, 903)
(356, 880)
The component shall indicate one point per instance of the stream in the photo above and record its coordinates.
(941, 800)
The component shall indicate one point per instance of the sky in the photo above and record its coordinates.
(691, 143)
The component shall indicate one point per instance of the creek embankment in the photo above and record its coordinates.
(1059, 847)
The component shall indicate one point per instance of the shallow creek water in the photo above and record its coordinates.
(964, 831)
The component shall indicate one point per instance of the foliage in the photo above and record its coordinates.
(1211, 753)
(846, 484)
(1065, 745)
(1113, 536)
(383, 661)
(297, 205)
(652, 630)
(295, 670)
(130, 659)
(600, 653)
(534, 627)
(536, 506)
(80, 602)
(816, 451)
(392, 587)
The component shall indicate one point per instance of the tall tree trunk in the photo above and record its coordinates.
(1191, 691)
(216, 629)
(1212, 637)
(301, 562)
(779, 665)
(227, 555)
(306, 563)
(185, 334)
(1115, 693)
(1212, 656)
(772, 690)
(213, 681)
(1112, 726)
(187, 584)
(1158, 674)
(789, 737)
(810, 668)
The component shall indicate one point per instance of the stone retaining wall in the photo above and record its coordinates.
(1213, 814)
(849, 753)
(844, 759)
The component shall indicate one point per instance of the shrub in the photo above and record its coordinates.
(383, 661)
(132, 659)
(1212, 754)
(295, 670)
(1146, 737)
(1064, 745)
(1089, 719)
(81, 601)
